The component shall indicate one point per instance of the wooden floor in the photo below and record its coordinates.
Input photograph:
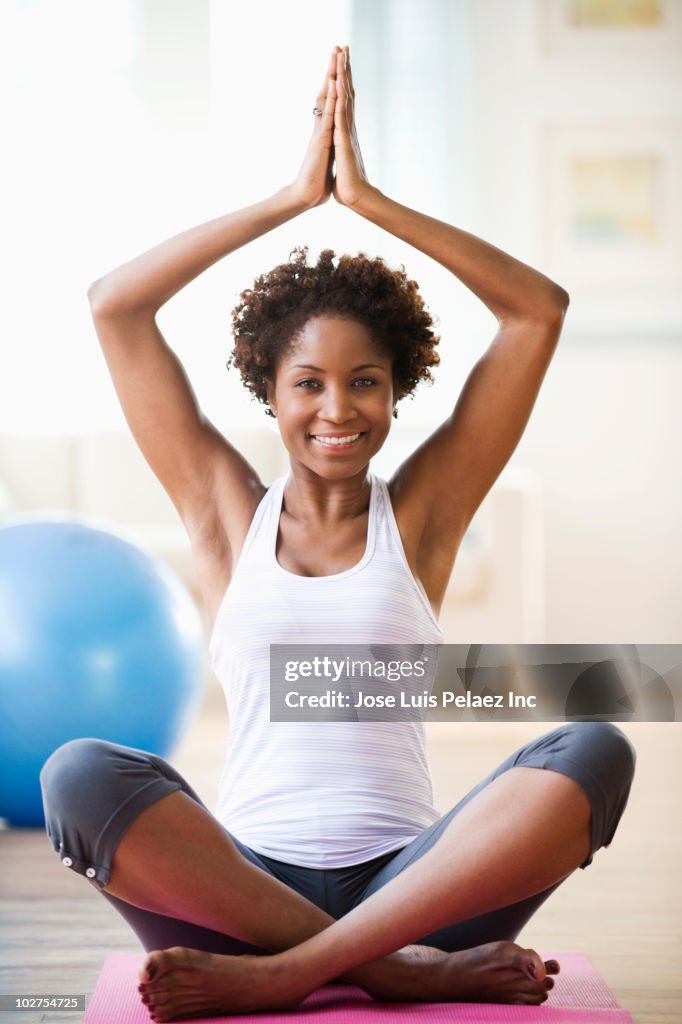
(625, 911)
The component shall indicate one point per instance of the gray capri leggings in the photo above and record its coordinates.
(93, 790)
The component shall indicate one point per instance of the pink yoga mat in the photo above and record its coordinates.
(580, 996)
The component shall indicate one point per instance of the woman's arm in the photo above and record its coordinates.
(509, 288)
(144, 284)
(440, 486)
(208, 480)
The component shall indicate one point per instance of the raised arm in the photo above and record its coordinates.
(207, 479)
(442, 484)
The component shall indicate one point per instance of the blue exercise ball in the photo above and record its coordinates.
(97, 638)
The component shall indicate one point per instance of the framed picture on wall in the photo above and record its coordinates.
(639, 30)
(611, 220)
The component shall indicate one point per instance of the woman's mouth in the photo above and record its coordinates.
(337, 441)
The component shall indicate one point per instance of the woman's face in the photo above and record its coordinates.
(333, 397)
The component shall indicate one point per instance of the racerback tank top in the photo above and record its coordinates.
(319, 794)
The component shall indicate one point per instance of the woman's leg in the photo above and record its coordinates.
(133, 826)
(516, 837)
(595, 755)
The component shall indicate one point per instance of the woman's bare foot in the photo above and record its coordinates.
(178, 983)
(498, 972)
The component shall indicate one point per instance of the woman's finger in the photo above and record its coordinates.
(349, 74)
(348, 99)
(331, 72)
(342, 93)
(327, 118)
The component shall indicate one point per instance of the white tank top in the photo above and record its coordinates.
(319, 794)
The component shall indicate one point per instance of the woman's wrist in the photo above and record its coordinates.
(366, 201)
(298, 203)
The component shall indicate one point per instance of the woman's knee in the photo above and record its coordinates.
(600, 758)
(607, 758)
(616, 748)
(606, 752)
(92, 792)
(85, 776)
(72, 767)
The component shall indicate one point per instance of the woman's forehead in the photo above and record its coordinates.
(335, 340)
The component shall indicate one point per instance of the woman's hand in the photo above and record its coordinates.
(351, 182)
(313, 184)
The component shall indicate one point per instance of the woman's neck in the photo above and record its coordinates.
(309, 498)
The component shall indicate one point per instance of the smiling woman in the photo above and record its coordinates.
(326, 849)
(341, 405)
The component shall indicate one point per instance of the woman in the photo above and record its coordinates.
(328, 860)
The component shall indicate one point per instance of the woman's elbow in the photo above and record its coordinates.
(560, 301)
(564, 298)
(108, 300)
(552, 310)
(99, 297)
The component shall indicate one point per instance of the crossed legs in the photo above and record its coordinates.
(518, 835)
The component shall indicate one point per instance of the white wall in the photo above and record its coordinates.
(604, 438)
(604, 435)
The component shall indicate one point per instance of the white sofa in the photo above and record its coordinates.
(496, 592)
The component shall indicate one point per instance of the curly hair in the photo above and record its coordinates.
(270, 316)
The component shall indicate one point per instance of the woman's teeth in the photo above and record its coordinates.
(335, 442)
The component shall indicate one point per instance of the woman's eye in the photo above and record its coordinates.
(310, 384)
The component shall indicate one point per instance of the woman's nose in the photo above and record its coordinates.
(337, 405)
